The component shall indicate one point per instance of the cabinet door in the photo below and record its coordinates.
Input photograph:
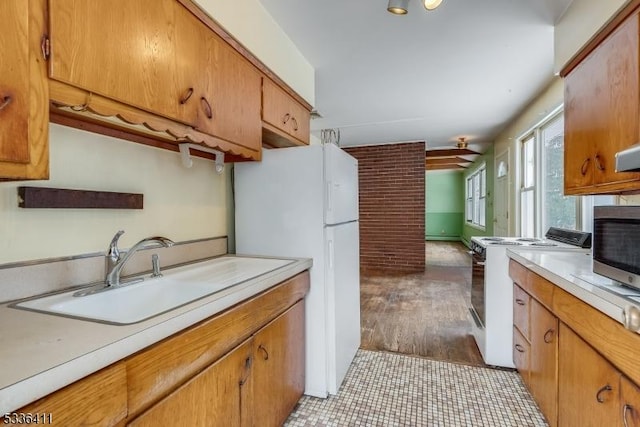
(121, 49)
(602, 111)
(278, 371)
(212, 398)
(588, 385)
(23, 92)
(544, 361)
(283, 112)
(230, 102)
(630, 403)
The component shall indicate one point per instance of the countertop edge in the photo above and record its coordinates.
(610, 309)
(30, 389)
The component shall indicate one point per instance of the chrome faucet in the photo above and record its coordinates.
(114, 262)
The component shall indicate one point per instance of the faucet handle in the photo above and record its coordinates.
(113, 250)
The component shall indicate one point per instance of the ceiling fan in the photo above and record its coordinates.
(449, 158)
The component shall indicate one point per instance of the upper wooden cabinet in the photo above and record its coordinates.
(24, 108)
(283, 115)
(159, 58)
(602, 113)
(231, 96)
(124, 50)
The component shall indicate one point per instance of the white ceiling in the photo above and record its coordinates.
(464, 69)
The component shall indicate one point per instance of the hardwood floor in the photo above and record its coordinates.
(424, 313)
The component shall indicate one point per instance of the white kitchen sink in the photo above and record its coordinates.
(153, 296)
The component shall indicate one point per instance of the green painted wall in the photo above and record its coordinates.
(468, 230)
(444, 205)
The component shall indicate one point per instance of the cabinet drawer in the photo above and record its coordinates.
(522, 356)
(97, 400)
(518, 274)
(521, 310)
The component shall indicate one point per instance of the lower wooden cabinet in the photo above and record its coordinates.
(543, 368)
(97, 400)
(214, 397)
(588, 385)
(535, 351)
(278, 368)
(241, 367)
(630, 400)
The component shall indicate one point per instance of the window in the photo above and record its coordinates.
(542, 200)
(476, 195)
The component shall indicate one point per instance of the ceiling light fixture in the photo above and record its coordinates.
(431, 4)
(400, 7)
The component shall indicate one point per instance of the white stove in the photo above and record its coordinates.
(492, 289)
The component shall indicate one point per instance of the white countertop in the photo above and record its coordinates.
(42, 353)
(573, 272)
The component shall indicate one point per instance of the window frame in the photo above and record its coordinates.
(476, 198)
(536, 132)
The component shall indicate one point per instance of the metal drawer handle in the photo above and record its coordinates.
(548, 336)
(519, 348)
(627, 408)
(599, 163)
(185, 97)
(5, 101)
(585, 164)
(286, 118)
(265, 353)
(207, 107)
(519, 301)
(295, 124)
(599, 397)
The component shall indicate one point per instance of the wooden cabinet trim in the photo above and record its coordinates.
(106, 113)
(157, 370)
(99, 399)
(609, 27)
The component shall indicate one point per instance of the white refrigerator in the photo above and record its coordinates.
(303, 202)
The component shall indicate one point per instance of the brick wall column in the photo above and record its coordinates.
(392, 206)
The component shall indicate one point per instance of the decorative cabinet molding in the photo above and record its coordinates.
(24, 108)
(602, 112)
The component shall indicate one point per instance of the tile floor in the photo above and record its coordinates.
(386, 389)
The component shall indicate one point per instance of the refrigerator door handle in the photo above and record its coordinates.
(330, 254)
(329, 201)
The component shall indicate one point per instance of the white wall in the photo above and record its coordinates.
(251, 25)
(180, 203)
(579, 23)
(538, 109)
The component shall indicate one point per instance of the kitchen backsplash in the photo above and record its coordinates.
(26, 279)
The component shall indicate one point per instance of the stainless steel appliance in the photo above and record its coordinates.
(616, 243)
(492, 289)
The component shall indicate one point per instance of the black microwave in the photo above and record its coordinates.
(616, 243)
